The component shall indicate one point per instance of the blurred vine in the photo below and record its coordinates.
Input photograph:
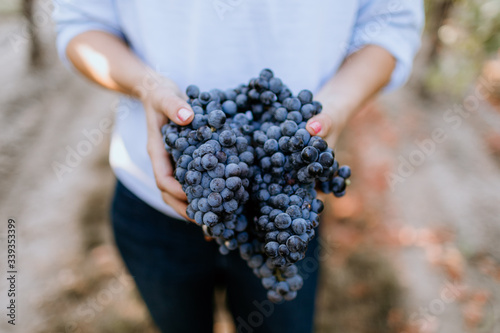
(36, 58)
(460, 36)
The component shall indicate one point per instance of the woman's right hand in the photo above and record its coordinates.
(161, 104)
(108, 61)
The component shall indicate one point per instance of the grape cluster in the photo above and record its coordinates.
(212, 157)
(250, 171)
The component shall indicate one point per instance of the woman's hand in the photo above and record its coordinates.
(362, 75)
(331, 121)
(108, 61)
(161, 104)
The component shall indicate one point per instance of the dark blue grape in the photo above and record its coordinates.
(241, 101)
(218, 95)
(269, 282)
(294, 211)
(305, 96)
(337, 184)
(193, 177)
(232, 170)
(271, 146)
(233, 159)
(242, 237)
(262, 221)
(288, 128)
(309, 154)
(304, 134)
(197, 191)
(308, 111)
(339, 194)
(284, 94)
(217, 184)
(282, 237)
(326, 159)
(217, 231)
(192, 91)
(278, 159)
(317, 206)
(320, 144)
(274, 132)
(266, 74)
(271, 249)
(203, 205)
(344, 172)
(247, 157)
(279, 261)
(281, 201)
(295, 116)
(241, 223)
(295, 244)
(283, 250)
(292, 104)
(275, 85)
(315, 169)
(282, 221)
(253, 94)
(212, 106)
(280, 114)
(299, 226)
(198, 218)
(214, 199)
(230, 206)
(296, 143)
(227, 138)
(268, 97)
(233, 183)
(274, 189)
(241, 144)
(261, 84)
(180, 174)
(318, 106)
(209, 162)
(204, 133)
(216, 118)
(210, 219)
(228, 234)
(204, 98)
(295, 282)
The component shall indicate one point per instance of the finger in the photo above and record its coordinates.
(175, 108)
(160, 161)
(321, 125)
(178, 205)
(162, 170)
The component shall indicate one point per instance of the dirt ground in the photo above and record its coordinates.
(413, 247)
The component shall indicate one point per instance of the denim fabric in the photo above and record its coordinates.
(176, 271)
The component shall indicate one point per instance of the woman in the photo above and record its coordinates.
(344, 51)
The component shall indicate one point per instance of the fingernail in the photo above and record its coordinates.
(184, 114)
(316, 127)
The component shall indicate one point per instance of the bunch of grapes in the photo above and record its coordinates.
(250, 171)
(212, 157)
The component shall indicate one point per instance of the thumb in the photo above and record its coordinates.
(175, 108)
(320, 125)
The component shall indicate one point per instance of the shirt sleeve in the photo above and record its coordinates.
(73, 17)
(395, 25)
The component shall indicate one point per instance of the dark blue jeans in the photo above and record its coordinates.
(176, 271)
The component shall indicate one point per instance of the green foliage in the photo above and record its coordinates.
(465, 39)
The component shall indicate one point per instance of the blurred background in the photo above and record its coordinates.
(413, 246)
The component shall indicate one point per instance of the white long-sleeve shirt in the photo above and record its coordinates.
(222, 43)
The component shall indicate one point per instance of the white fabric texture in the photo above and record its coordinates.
(222, 43)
